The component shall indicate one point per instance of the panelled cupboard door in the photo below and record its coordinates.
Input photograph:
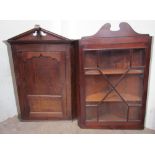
(43, 76)
(113, 77)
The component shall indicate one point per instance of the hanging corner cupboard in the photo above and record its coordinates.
(113, 69)
(42, 63)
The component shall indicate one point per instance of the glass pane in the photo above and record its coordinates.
(90, 59)
(91, 113)
(138, 57)
(131, 88)
(114, 59)
(134, 113)
(113, 111)
(107, 60)
(96, 88)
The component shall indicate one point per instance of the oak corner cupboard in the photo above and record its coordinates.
(42, 64)
(113, 69)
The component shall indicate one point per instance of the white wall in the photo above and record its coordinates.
(72, 30)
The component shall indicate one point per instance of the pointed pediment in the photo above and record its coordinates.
(38, 34)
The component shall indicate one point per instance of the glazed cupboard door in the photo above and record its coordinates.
(43, 81)
(113, 85)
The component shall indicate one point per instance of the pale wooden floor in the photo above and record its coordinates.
(13, 125)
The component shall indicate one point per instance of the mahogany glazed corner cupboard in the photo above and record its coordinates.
(103, 77)
(112, 78)
(42, 64)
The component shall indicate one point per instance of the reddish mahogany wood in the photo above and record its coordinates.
(112, 78)
(44, 74)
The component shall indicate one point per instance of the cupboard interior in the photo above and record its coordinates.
(110, 94)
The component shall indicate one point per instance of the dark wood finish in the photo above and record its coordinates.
(113, 69)
(42, 64)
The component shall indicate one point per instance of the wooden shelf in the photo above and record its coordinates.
(112, 71)
(97, 97)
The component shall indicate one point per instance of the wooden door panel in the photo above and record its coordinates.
(44, 83)
(45, 103)
(46, 73)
